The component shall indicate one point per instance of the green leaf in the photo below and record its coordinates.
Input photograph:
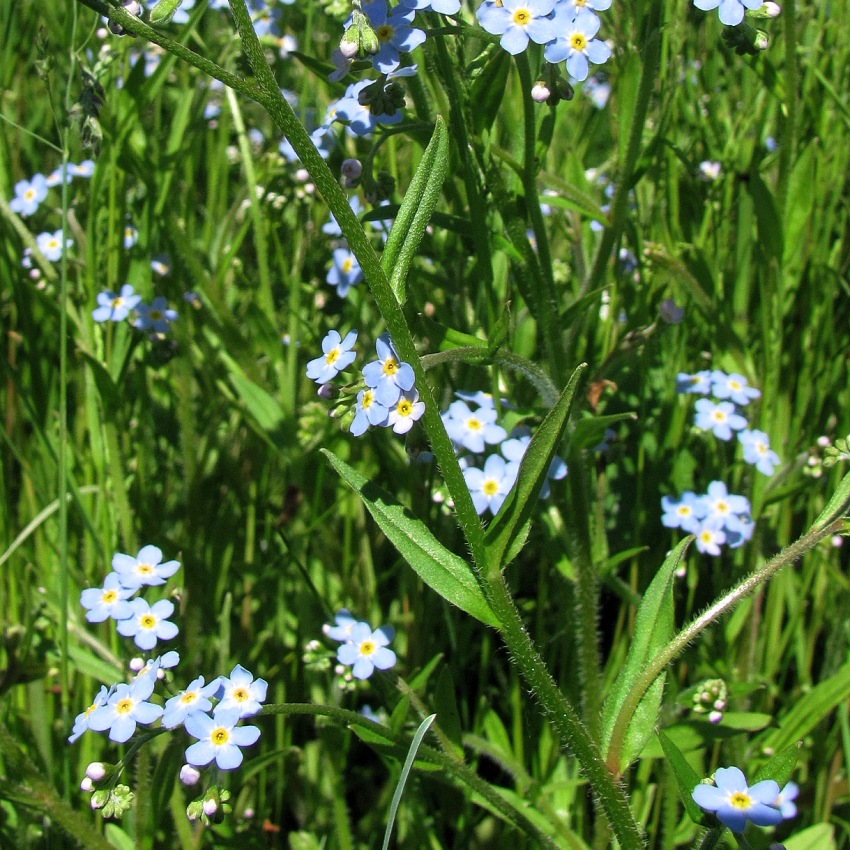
(821, 836)
(809, 710)
(767, 216)
(837, 505)
(488, 89)
(780, 768)
(653, 629)
(590, 432)
(164, 11)
(522, 500)
(258, 402)
(442, 570)
(686, 777)
(415, 211)
(446, 706)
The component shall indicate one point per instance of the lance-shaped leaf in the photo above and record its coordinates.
(415, 211)
(442, 570)
(686, 777)
(520, 503)
(624, 733)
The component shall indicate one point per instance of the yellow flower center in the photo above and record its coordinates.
(490, 487)
(578, 41)
(29, 194)
(718, 415)
(740, 800)
(219, 736)
(240, 695)
(332, 356)
(522, 17)
(390, 366)
(148, 621)
(124, 706)
(117, 302)
(404, 407)
(384, 32)
(721, 507)
(735, 385)
(156, 315)
(684, 510)
(367, 647)
(144, 569)
(347, 265)
(474, 424)
(189, 697)
(108, 596)
(706, 536)
(368, 399)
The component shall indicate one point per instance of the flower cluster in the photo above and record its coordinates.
(722, 416)
(30, 193)
(154, 318)
(471, 430)
(567, 28)
(735, 802)
(361, 648)
(146, 624)
(715, 518)
(385, 395)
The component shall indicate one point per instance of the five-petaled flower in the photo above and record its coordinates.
(115, 308)
(367, 650)
(219, 738)
(388, 376)
(337, 356)
(241, 692)
(125, 707)
(107, 601)
(734, 802)
(148, 623)
(146, 568)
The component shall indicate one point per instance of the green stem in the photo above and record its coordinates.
(119, 493)
(791, 76)
(720, 607)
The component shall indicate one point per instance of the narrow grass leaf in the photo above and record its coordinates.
(405, 772)
(442, 570)
(686, 777)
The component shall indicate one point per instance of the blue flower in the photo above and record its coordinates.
(710, 536)
(357, 117)
(219, 738)
(719, 503)
(734, 802)
(83, 169)
(734, 387)
(337, 356)
(107, 601)
(444, 7)
(50, 244)
(332, 227)
(81, 722)
(517, 21)
(194, 698)
(344, 624)
(514, 450)
(345, 271)
(115, 308)
(155, 317)
(784, 800)
(125, 707)
(131, 236)
(241, 692)
(721, 418)
(757, 450)
(393, 32)
(576, 43)
(700, 383)
(60, 175)
(368, 412)
(145, 569)
(388, 375)
(684, 512)
(731, 12)
(407, 409)
(148, 623)
(367, 650)
(490, 487)
(28, 195)
(472, 430)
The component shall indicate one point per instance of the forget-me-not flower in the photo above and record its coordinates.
(518, 21)
(395, 35)
(388, 375)
(575, 42)
(757, 450)
(155, 317)
(28, 195)
(344, 624)
(81, 721)
(514, 450)
(194, 698)
(115, 308)
(367, 650)
(50, 244)
(407, 409)
(489, 487)
(107, 601)
(126, 706)
(731, 12)
(719, 503)
(472, 430)
(710, 535)
(684, 512)
(241, 692)
(444, 7)
(145, 569)
(734, 387)
(734, 802)
(337, 357)
(784, 801)
(219, 738)
(345, 271)
(720, 418)
(148, 624)
(368, 411)
(358, 118)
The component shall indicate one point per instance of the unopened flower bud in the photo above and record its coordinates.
(359, 39)
(210, 806)
(351, 169)
(87, 785)
(96, 771)
(772, 10)
(762, 40)
(715, 717)
(189, 775)
(540, 92)
(348, 49)
(100, 798)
